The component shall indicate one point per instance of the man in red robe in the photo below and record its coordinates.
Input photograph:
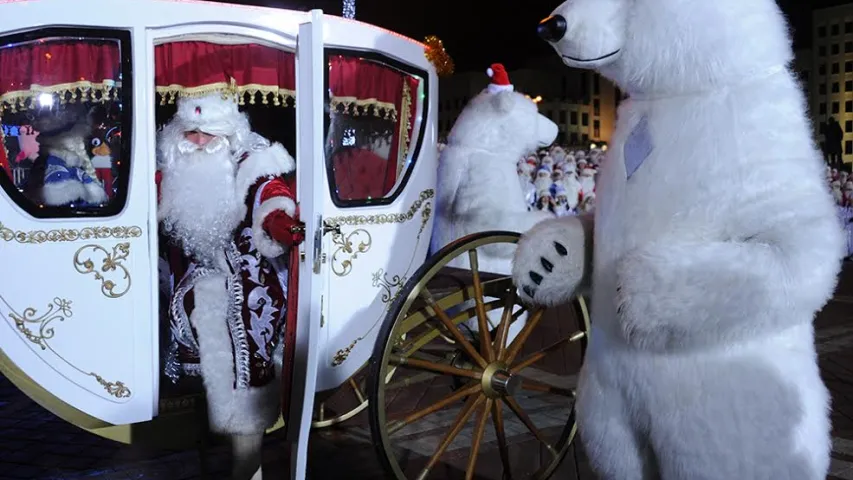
(227, 220)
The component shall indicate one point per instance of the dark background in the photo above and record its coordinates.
(477, 33)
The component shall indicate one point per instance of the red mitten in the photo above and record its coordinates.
(282, 228)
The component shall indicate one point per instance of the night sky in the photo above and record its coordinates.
(478, 32)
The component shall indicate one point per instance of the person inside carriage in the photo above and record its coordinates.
(228, 222)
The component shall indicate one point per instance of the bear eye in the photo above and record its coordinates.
(96, 142)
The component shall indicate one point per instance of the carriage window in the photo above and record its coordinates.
(374, 106)
(62, 111)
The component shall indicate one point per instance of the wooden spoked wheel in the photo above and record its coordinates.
(460, 393)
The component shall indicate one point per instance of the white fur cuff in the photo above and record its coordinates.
(266, 245)
(231, 411)
(63, 193)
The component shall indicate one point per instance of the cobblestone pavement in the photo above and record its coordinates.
(36, 445)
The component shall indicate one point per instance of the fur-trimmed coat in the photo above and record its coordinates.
(227, 325)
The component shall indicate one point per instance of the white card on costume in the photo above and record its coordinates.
(638, 147)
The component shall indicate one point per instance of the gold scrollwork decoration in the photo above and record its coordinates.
(36, 237)
(391, 286)
(394, 285)
(341, 355)
(37, 329)
(384, 219)
(349, 247)
(112, 262)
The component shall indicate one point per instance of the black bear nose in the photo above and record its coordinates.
(552, 28)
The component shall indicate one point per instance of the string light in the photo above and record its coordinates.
(349, 9)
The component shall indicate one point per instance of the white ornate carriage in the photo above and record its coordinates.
(356, 105)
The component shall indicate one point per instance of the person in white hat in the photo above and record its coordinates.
(587, 179)
(543, 178)
(228, 217)
(561, 201)
(545, 200)
(64, 175)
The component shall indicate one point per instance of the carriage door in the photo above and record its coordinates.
(378, 186)
(76, 296)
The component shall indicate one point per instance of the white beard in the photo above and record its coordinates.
(542, 183)
(199, 206)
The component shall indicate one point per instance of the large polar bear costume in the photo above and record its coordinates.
(478, 187)
(704, 279)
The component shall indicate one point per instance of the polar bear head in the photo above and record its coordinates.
(502, 121)
(670, 46)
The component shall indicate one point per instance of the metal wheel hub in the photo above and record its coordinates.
(497, 382)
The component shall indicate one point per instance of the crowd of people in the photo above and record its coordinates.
(560, 180)
(841, 184)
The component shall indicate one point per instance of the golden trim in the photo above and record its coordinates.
(385, 218)
(392, 286)
(279, 96)
(343, 267)
(403, 147)
(380, 278)
(83, 90)
(110, 263)
(68, 235)
(59, 309)
(341, 355)
(351, 105)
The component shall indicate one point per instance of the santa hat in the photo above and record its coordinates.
(532, 160)
(214, 114)
(500, 79)
(560, 191)
(544, 168)
(544, 193)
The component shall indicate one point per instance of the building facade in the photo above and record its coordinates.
(582, 103)
(830, 76)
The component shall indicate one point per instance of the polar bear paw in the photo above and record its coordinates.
(549, 262)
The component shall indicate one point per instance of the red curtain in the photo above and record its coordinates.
(358, 83)
(364, 81)
(202, 67)
(56, 66)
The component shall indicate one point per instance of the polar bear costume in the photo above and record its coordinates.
(478, 187)
(701, 363)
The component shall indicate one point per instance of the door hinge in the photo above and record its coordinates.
(318, 243)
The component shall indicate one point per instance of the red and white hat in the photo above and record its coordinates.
(500, 79)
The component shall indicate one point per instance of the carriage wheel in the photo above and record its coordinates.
(345, 402)
(431, 420)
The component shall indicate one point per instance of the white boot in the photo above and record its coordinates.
(247, 451)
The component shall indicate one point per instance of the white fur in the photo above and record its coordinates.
(63, 193)
(267, 246)
(200, 204)
(232, 411)
(216, 115)
(71, 148)
(478, 188)
(705, 279)
(269, 162)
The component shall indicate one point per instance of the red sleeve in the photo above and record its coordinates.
(276, 188)
(275, 217)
